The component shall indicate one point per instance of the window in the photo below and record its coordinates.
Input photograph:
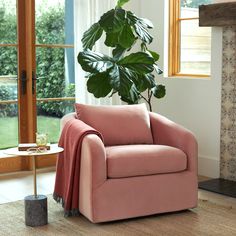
(189, 44)
(37, 85)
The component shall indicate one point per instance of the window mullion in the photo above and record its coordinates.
(174, 37)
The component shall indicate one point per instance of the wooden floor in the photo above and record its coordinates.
(16, 186)
(214, 197)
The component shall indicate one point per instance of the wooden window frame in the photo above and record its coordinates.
(175, 41)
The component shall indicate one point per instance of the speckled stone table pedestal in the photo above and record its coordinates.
(36, 210)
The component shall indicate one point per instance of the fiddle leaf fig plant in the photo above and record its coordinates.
(129, 74)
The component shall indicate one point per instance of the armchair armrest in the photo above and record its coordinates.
(93, 161)
(93, 157)
(66, 118)
(166, 132)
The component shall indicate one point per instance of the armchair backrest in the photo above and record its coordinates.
(119, 125)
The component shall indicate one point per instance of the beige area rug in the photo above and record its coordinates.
(207, 219)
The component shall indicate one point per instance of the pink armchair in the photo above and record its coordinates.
(125, 181)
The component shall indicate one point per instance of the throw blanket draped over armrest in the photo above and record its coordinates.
(67, 181)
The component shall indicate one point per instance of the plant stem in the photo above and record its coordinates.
(143, 98)
(148, 101)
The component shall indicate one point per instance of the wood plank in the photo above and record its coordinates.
(8, 45)
(174, 39)
(218, 14)
(12, 164)
(54, 45)
(46, 161)
(188, 18)
(17, 163)
(39, 100)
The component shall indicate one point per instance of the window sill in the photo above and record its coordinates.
(199, 77)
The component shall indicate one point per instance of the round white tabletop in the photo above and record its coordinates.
(54, 149)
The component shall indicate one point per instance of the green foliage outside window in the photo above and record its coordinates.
(194, 3)
(50, 61)
(7, 93)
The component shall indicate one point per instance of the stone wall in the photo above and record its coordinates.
(228, 105)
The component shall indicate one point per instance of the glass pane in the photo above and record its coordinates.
(8, 105)
(54, 22)
(189, 8)
(55, 73)
(55, 65)
(195, 54)
(8, 61)
(8, 29)
(9, 126)
(8, 75)
(49, 123)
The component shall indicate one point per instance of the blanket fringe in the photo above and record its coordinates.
(67, 213)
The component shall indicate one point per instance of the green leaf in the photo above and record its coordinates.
(147, 23)
(143, 47)
(99, 85)
(139, 62)
(144, 82)
(126, 37)
(94, 62)
(132, 96)
(157, 69)
(118, 52)
(120, 3)
(159, 91)
(154, 55)
(140, 26)
(121, 81)
(125, 82)
(113, 20)
(91, 36)
(121, 78)
(127, 100)
(140, 83)
(133, 19)
(115, 78)
(111, 39)
(142, 33)
(149, 80)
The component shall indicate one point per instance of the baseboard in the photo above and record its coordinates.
(208, 167)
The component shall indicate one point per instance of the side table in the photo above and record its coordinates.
(36, 213)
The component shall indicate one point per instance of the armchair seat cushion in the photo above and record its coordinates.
(139, 160)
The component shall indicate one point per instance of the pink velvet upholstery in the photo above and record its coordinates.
(119, 125)
(102, 198)
(140, 160)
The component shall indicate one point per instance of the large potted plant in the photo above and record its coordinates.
(129, 74)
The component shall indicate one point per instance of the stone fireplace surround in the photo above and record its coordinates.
(228, 106)
(224, 14)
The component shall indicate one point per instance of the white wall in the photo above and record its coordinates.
(193, 103)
